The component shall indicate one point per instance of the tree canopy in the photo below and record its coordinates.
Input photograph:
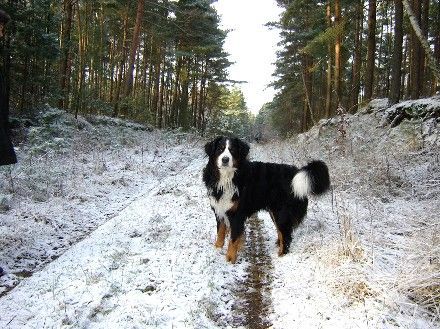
(154, 61)
(340, 54)
(163, 62)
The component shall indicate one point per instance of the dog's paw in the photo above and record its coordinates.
(231, 258)
(282, 250)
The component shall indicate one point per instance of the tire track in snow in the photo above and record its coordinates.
(148, 188)
(254, 305)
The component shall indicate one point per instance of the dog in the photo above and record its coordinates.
(237, 188)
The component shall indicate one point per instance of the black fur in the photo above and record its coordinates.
(261, 186)
(319, 174)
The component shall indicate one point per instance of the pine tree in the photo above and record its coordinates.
(397, 54)
(371, 49)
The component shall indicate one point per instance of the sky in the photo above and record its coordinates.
(251, 45)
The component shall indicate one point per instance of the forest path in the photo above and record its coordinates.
(154, 266)
(109, 216)
(151, 265)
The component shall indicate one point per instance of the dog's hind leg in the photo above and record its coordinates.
(286, 221)
(285, 230)
(280, 240)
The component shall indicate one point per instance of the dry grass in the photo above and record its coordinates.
(350, 245)
(381, 237)
(420, 271)
(353, 284)
(345, 276)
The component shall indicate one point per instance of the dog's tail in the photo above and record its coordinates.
(312, 179)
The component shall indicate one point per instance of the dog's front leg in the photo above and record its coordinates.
(236, 240)
(221, 233)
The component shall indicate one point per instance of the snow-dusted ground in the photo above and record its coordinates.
(151, 265)
(125, 217)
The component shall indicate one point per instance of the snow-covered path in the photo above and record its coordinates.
(154, 266)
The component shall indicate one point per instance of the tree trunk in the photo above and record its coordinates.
(113, 68)
(121, 66)
(138, 77)
(418, 32)
(382, 86)
(201, 116)
(156, 83)
(65, 54)
(134, 47)
(184, 118)
(81, 67)
(175, 96)
(356, 76)
(338, 54)
(194, 91)
(308, 117)
(24, 86)
(396, 72)
(415, 54)
(436, 80)
(148, 58)
(328, 98)
(371, 50)
(405, 68)
(161, 94)
(102, 65)
(424, 28)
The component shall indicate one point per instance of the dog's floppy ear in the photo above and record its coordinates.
(210, 147)
(243, 148)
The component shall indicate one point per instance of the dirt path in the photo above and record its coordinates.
(253, 295)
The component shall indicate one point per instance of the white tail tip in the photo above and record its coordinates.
(301, 184)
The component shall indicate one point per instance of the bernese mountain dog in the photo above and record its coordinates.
(237, 188)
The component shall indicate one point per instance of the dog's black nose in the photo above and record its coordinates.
(225, 160)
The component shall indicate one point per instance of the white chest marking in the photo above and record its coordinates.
(222, 205)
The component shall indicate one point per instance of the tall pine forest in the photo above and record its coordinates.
(163, 62)
(152, 61)
(337, 55)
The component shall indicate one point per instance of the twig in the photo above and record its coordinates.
(11, 320)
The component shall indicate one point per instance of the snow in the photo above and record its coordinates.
(150, 265)
(147, 260)
(113, 228)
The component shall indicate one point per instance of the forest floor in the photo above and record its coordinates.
(106, 224)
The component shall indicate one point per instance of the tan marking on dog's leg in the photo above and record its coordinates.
(221, 234)
(276, 226)
(280, 241)
(233, 248)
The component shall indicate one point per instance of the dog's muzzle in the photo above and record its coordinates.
(225, 161)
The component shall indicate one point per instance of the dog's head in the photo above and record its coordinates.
(227, 153)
